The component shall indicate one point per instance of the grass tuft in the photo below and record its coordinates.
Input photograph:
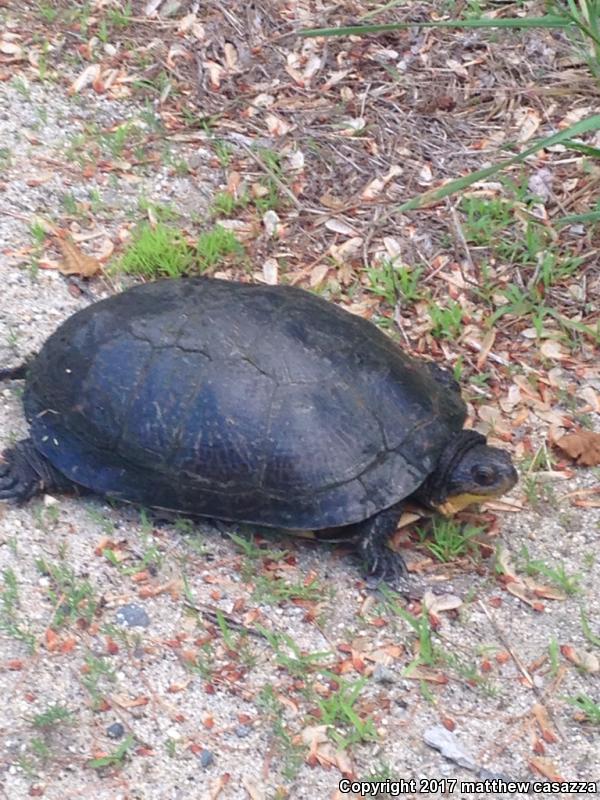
(216, 244)
(587, 707)
(53, 716)
(394, 283)
(448, 540)
(558, 575)
(163, 251)
(338, 712)
(159, 251)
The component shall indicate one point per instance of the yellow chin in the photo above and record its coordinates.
(458, 502)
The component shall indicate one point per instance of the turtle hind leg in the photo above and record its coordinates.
(372, 537)
(24, 473)
(16, 373)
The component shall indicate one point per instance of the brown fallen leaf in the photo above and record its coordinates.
(435, 603)
(325, 755)
(318, 274)
(586, 661)
(518, 589)
(426, 674)
(11, 49)
(76, 262)
(129, 702)
(407, 518)
(546, 768)
(88, 76)
(277, 126)
(542, 590)
(251, 785)
(216, 787)
(153, 591)
(314, 735)
(175, 688)
(486, 346)
(329, 201)
(385, 655)
(377, 185)
(587, 503)
(343, 763)
(549, 735)
(52, 640)
(583, 447)
(346, 250)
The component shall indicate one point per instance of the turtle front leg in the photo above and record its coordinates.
(372, 538)
(24, 473)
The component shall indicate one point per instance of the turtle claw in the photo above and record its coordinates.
(7, 478)
(18, 481)
(7, 486)
(379, 561)
(384, 565)
(392, 569)
(24, 472)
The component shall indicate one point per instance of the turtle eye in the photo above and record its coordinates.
(483, 476)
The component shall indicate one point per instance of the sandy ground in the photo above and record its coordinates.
(212, 714)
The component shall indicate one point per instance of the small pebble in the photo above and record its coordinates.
(115, 731)
(205, 758)
(132, 616)
(242, 731)
(382, 674)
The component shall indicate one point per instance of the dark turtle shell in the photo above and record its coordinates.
(258, 404)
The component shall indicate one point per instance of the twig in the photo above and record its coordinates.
(461, 238)
(520, 666)
(280, 184)
(213, 614)
(500, 633)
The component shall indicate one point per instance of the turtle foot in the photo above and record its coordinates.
(25, 473)
(379, 561)
(18, 480)
(383, 564)
(15, 373)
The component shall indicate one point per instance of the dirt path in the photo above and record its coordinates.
(113, 684)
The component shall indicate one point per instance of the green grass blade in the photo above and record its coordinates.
(585, 21)
(521, 23)
(433, 195)
(572, 219)
(594, 152)
(587, 631)
(573, 325)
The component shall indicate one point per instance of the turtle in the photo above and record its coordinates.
(249, 403)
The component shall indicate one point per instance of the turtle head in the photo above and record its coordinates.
(468, 471)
